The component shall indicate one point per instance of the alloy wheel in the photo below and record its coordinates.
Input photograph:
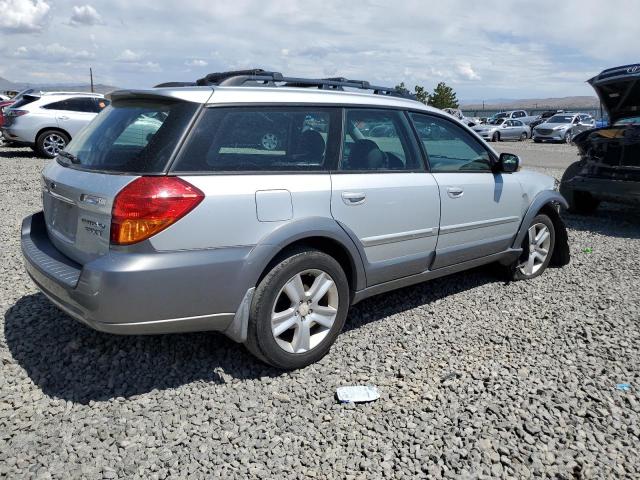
(304, 311)
(269, 141)
(53, 144)
(539, 244)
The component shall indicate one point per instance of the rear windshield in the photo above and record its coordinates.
(25, 100)
(254, 139)
(131, 137)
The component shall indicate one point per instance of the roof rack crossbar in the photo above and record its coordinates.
(262, 77)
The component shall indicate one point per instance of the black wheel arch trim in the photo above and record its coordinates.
(546, 202)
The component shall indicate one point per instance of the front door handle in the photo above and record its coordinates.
(63, 117)
(455, 192)
(354, 198)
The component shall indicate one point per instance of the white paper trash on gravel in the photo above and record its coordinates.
(357, 394)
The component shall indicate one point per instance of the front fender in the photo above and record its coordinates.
(545, 202)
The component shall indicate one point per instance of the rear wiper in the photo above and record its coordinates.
(70, 156)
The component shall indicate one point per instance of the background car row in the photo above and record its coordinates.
(47, 121)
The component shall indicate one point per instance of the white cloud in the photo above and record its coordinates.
(23, 16)
(196, 62)
(128, 56)
(467, 72)
(85, 15)
(53, 53)
(493, 50)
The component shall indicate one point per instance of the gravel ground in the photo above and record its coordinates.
(479, 378)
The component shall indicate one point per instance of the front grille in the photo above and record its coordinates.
(544, 131)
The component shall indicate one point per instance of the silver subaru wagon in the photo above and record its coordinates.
(263, 207)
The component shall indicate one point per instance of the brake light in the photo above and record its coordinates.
(148, 205)
(16, 113)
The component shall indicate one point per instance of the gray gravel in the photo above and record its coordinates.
(479, 379)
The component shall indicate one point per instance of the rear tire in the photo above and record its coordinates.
(523, 136)
(50, 142)
(285, 331)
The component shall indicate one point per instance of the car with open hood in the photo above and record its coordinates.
(609, 167)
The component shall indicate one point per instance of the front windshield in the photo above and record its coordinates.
(500, 115)
(496, 121)
(629, 121)
(560, 119)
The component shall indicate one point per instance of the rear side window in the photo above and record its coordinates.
(449, 147)
(77, 104)
(377, 140)
(132, 136)
(261, 139)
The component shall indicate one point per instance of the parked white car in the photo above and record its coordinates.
(47, 121)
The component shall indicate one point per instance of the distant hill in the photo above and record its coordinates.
(563, 103)
(48, 87)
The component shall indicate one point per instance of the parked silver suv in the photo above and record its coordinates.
(169, 214)
(48, 120)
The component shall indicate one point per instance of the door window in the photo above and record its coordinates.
(449, 147)
(377, 140)
(263, 139)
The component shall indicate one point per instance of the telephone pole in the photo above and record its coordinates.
(91, 77)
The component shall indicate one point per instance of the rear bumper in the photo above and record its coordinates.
(606, 189)
(138, 293)
(14, 136)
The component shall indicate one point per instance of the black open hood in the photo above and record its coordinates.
(619, 91)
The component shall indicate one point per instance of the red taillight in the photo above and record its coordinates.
(16, 113)
(148, 205)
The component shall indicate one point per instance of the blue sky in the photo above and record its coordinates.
(488, 49)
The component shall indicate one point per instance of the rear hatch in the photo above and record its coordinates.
(8, 112)
(137, 135)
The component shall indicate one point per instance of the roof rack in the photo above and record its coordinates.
(257, 77)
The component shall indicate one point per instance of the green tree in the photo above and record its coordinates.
(422, 95)
(402, 88)
(443, 97)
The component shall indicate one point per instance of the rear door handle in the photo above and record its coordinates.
(63, 117)
(455, 192)
(353, 198)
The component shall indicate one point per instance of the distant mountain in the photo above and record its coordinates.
(48, 87)
(563, 103)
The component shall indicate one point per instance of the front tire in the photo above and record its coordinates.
(50, 142)
(537, 249)
(298, 310)
(495, 137)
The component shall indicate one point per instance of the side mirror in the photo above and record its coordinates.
(508, 163)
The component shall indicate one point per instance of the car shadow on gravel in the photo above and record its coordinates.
(422, 294)
(22, 153)
(613, 220)
(67, 360)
